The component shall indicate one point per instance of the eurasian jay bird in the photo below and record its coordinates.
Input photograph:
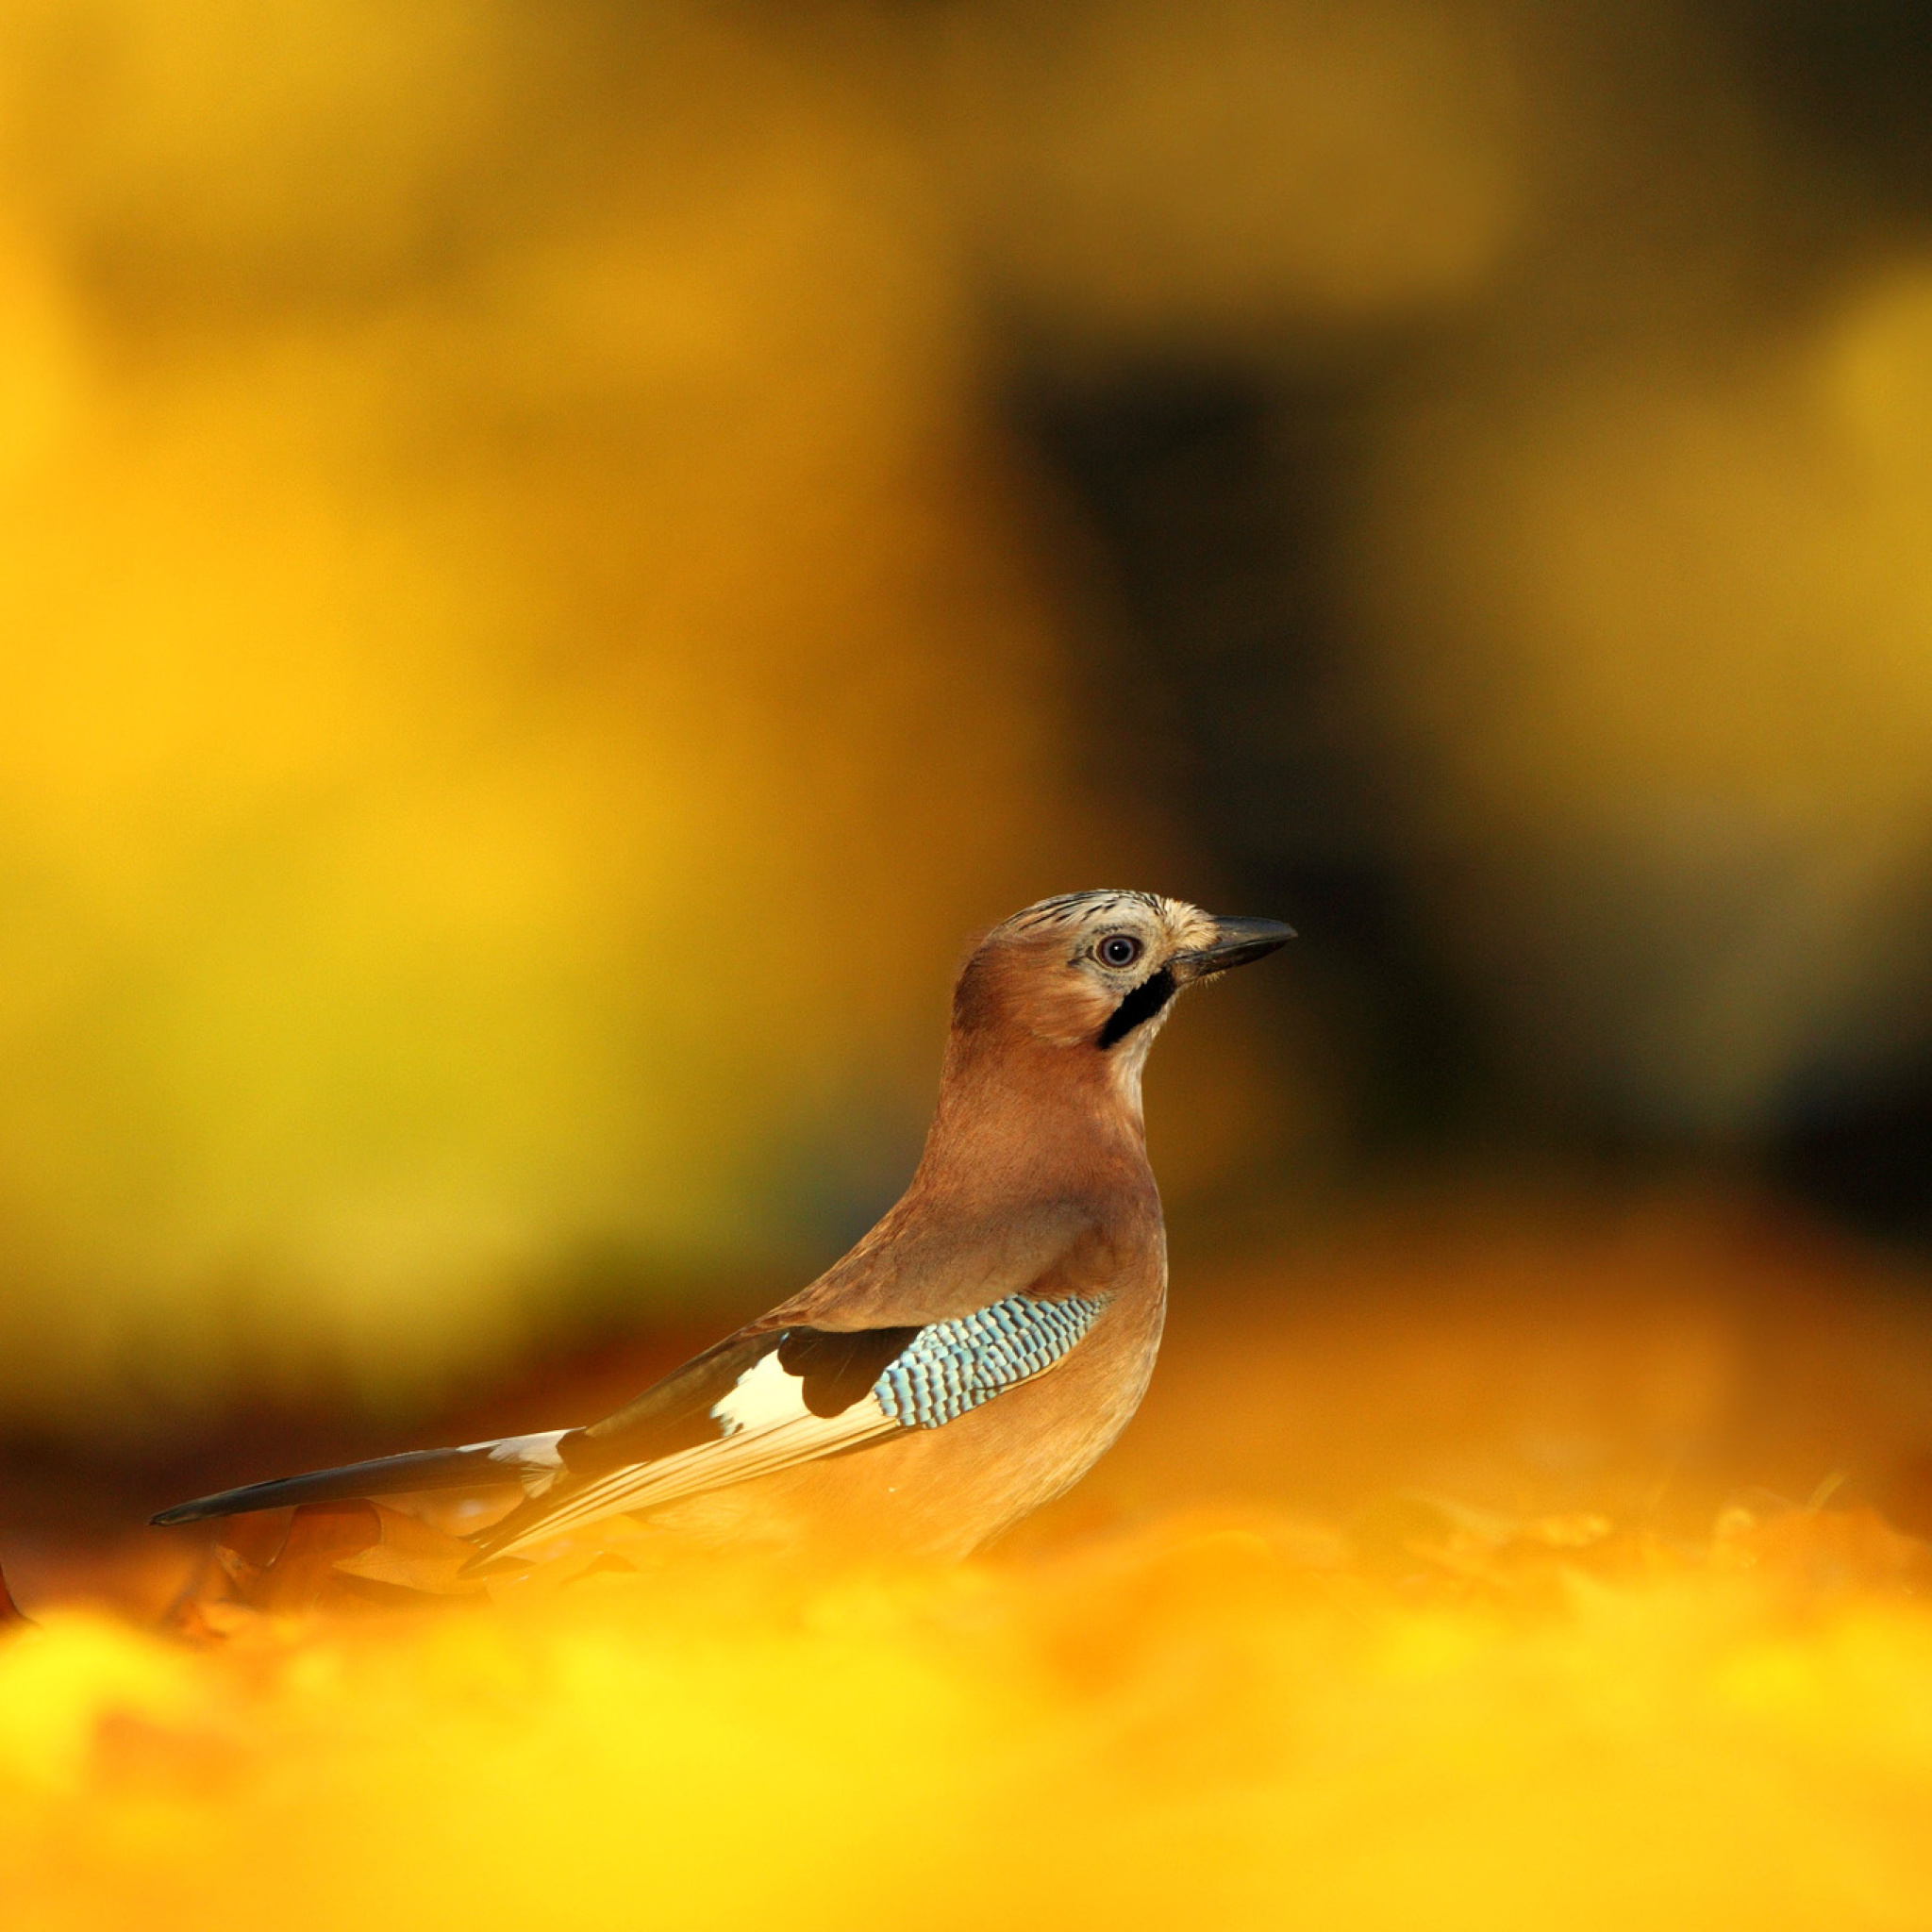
(976, 1353)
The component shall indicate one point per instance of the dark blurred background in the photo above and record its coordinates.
(559, 560)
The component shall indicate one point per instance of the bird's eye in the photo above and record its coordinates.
(1119, 950)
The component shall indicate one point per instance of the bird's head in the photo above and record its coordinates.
(1098, 972)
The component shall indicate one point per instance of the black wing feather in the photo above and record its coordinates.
(672, 1414)
(839, 1366)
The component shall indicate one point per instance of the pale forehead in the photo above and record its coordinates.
(1081, 912)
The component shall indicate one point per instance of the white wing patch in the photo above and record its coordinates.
(761, 1398)
(767, 1428)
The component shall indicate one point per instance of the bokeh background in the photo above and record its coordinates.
(559, 560)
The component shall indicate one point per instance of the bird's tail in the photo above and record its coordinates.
(518, 1459)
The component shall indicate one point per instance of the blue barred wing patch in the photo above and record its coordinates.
(952, 1366)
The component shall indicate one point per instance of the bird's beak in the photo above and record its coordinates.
(1236, 942)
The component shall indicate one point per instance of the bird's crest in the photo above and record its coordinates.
(1079, 909)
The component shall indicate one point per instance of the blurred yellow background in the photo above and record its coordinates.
(556, 562)
(520, 676)
(559, 560)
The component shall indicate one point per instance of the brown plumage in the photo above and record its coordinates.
(1014, 1295)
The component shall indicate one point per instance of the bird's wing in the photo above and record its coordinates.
(795, 1395)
